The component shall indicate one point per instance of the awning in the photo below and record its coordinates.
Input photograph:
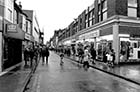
(18, 34)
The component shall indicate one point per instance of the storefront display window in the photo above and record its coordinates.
(104, 45)
(129, 49)
(5, 52)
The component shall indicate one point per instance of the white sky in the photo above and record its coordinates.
(55, 14)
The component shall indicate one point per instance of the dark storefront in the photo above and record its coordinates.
(12, 48)
(12, 52)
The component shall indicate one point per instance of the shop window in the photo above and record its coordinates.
(5, 52)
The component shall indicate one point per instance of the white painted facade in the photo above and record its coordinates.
(35, 28)
(9, 10)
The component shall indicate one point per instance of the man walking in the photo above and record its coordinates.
(93, 54)
(45, 53)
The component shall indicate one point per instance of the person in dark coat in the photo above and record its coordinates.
(93, 54)
(31, 53)
(26, 55)
(45, 53)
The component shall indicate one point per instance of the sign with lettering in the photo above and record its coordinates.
(134, 37)
(89, 35)
(12, 28)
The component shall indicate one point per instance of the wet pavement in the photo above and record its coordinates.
(71, 77)
(14, 80)
(131, 72)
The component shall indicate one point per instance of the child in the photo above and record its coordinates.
(86, 58)
(61, 58)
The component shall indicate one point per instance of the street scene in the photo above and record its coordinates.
(70, 46)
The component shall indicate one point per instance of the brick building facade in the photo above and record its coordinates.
(111, 24)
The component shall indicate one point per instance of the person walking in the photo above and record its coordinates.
(31, 54)
(61, 58)
(80, 54)
(26, 55)
(45, 53)
(86, 58)
(113, 56)
(93, 54)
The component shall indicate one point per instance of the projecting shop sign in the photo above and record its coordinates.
(11, 28)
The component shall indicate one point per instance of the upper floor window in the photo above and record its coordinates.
(104, 5)
(132, 8)
(9, 14)
(15, 17)
(132, 2)
(104, 15)
(104, 10)
(1, 2)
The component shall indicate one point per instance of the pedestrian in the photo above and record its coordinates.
(31, 53)
(93, 54)
(80, 52)
(36, 53)
(45, 54)
(105, 55)
(86, 58)
(113, 56)
(26, 55)
(61, 57)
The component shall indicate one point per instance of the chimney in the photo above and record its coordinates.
(20, 5)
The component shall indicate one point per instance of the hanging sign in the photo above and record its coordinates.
(11, 27)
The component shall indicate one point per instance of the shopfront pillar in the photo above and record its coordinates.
(116, 41)
(0, 52)
(95, 45)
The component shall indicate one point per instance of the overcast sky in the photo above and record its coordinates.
(55, 14)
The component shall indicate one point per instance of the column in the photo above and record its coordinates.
(0, 52)
(116, 45)
(95, 43)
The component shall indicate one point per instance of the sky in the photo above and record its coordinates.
(55, 14)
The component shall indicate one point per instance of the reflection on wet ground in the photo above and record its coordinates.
(71, 78)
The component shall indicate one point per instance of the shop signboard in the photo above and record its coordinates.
(27, 36)
(89, 35)
(12, 28)
(134, 37)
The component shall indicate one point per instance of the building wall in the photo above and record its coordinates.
(35, 25)
(9, 9)
(35, 29)
(111, 8)
(121, 7)
(29, 13)
(2, 8)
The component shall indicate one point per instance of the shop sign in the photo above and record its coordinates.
(12, 28)
(134, 37)
(27, 36)
(89, 35)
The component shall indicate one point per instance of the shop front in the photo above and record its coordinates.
(120, 34)
(12, 46)
(28, 40)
